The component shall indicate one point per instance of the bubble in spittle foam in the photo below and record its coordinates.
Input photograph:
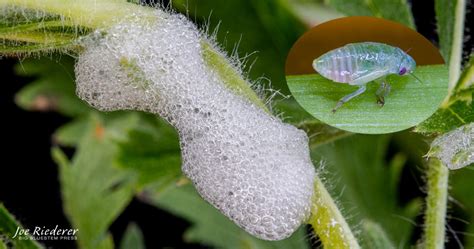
(248, 164)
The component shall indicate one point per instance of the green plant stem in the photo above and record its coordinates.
(436, 203)
(86, 13)
(328, 222)
(455, 58)
(326, 218)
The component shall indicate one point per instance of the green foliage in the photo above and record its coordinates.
(94, 192)
(398, 11)
(27, 31)
(8, 227)
(445, 11)
(265, 26)
(152, 153)
(466, 80)
(53, 89)
(367, 186)
(459, 109)
(133, 238)
(409, 102)
(70, 134)
(374, 237)
(28, 27)
(461, 191)
(448, 118)
(211, 227)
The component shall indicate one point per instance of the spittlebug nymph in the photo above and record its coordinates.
(360, 63)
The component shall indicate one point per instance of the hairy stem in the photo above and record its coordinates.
(328, 222)
(436, 202)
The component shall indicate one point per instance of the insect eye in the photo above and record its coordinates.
(402, 71)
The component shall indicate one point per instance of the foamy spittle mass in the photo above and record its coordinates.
(455, 148)
(248, 164)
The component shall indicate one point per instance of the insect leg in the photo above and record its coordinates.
(348, 97)
(382, 92)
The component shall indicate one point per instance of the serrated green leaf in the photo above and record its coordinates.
(212, 228)
(357, 173)
(409, 102)
(133, 238)
(374, 237)
(8, 228)
(94, 192)
(458, 113)
(71, 133)
(398, 11)
(54, 88)
(151, 152)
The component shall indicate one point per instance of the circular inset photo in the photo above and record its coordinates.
(366, 75)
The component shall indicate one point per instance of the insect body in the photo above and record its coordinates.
(359, 63)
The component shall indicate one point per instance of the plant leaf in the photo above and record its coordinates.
(152, 152)
(398, 11)
(23, 31)
(450, 15)
(409, 103)
(458, 113)
(8, 228)
(467, 77)
(209, 226)
(133, 238)
(71, 133)
(374, 237)
(54, 88)
(21, 19)
(445, 12)
(356, 171)
(94, 193)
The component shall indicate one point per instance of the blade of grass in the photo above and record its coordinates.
(408, 104)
